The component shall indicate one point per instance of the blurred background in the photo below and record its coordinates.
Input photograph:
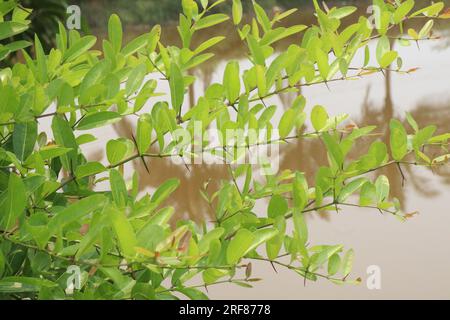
(414, 257)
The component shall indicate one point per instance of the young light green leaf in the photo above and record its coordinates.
(14, 205)
(24, 139)
(278, 206)
(231, 81)
(144, 133)
(176, 83)
(79, 48)
(382, 188)
(76, 212)
(237, 12)
(319, 118)
(135, 79)
(239, 245)
(115, 32)
(398, 139)
(118, 188)
(388, 58)
(64, 137)
(89, 169)
(347, 263)
(210, 21)
(124, 232)
(98, 119)
(351, 188)
(164, 191)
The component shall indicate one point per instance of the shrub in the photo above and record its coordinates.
(54, 221)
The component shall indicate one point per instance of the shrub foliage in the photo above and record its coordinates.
(54, 218)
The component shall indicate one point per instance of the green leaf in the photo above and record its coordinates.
(398, 139)
(351, 188)
(79, 48)
(144, 133)
(22, 284)
(319, 118)
(321, 257)
(423, 136)
(76, 212)
(237, 12)
(347, 263)
(238, 245)
(14, 205)
(208, 44)
(261, 81)
(426, 29)
(382, 188)
(368, 195)
(403, 10)
(41, 60)
(412, 122)
(176, 83)
(124, 232)
(210, 21)
(334, 264)
(164, 191)
(52, 151)
(116, 150)
(274, 245)
(204, 243)
(261, 236)
(135, 79)
(115, 32)
(278, 206)
(98, 119)
(24, 139)
(85, 138)
(287, 123)
(193, 293)
(10, 28)
(334, 149)
(118, 188)
(135, 45)
(383, 47)
(299, 191)
(388, 58)
(64, 137)
(342, 12)
(300, 227)
(231, 81)
(89, 169)
(322, 63)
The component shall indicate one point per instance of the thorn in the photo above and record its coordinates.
(403, 175)
(185, 164)
(142, 157)
(328, 87)
(145, 165)
(273, 267)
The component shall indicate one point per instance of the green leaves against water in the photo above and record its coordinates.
(60, 206)
(398, 140)
(176, 83)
